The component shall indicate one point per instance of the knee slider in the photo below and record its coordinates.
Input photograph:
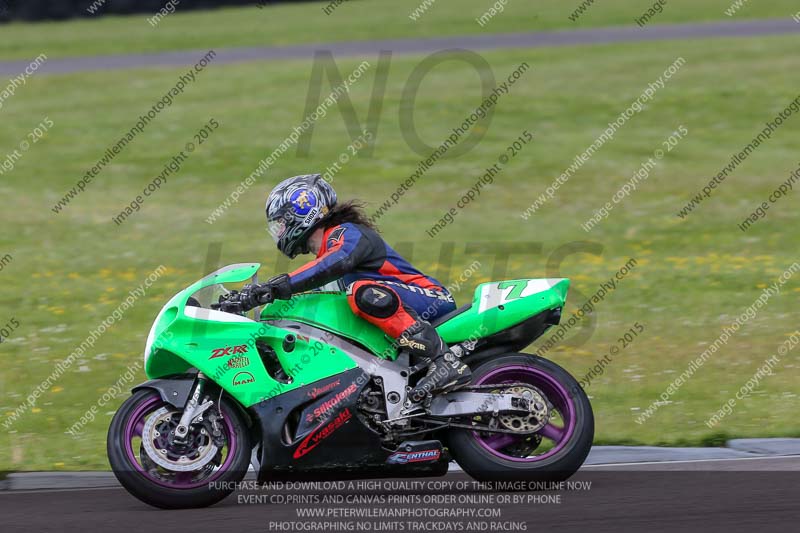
(377, 301)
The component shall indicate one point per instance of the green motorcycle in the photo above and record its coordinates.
(305, 390)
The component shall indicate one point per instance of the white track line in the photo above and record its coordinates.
(40, 491)
(694, 461)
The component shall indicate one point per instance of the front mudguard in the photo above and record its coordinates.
(174, 390)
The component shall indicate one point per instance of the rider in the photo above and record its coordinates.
(383, 288)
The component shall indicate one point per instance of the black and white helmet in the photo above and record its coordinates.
(294, 209)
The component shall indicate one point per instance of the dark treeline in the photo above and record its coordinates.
(62, 9)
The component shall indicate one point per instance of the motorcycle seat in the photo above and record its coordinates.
(438, 321)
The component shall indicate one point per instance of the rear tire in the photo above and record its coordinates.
(131, 475)
(565, 456)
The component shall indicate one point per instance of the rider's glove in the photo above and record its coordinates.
(280, 286)
(275, 288)
(254, 295)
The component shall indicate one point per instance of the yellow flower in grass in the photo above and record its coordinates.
(73, 275)
(57, 389)
(36, 410)
(172, 270)
(678, 262)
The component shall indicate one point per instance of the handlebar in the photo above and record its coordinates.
(229, 303)
(240, 302)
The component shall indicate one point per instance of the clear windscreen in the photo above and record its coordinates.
(209, 295)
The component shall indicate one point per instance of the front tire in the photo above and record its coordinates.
(555, 452)
(159, 486)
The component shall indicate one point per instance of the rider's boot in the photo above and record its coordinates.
(445, 371)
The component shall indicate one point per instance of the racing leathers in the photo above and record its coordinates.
(387, 291)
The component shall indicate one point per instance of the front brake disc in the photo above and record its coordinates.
(157, 443)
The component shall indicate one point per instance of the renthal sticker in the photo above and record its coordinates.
(243, 378)
(316, 392)
(238, 362)
(330, 404)
(401, 458)
(228, 350)
(322, 432)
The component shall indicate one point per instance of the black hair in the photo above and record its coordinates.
(351, 211)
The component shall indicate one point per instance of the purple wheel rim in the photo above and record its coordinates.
(183, 479)
(555, 393)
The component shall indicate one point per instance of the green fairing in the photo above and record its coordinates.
(331, 312)
(182, 342)
(517, 303)
(222, 345)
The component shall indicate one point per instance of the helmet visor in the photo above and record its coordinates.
(276, 228)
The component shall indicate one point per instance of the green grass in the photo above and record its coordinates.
(307, 23)
(69, 271)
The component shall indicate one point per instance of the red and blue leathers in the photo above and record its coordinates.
(361, 258)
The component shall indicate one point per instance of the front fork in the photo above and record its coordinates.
(194, 410)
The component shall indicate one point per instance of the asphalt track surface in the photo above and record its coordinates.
(753, 495)
(623, 34)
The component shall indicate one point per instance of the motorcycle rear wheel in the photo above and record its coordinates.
(563, 443)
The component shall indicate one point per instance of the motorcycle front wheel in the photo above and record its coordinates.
(197, 471)
(554, 452)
